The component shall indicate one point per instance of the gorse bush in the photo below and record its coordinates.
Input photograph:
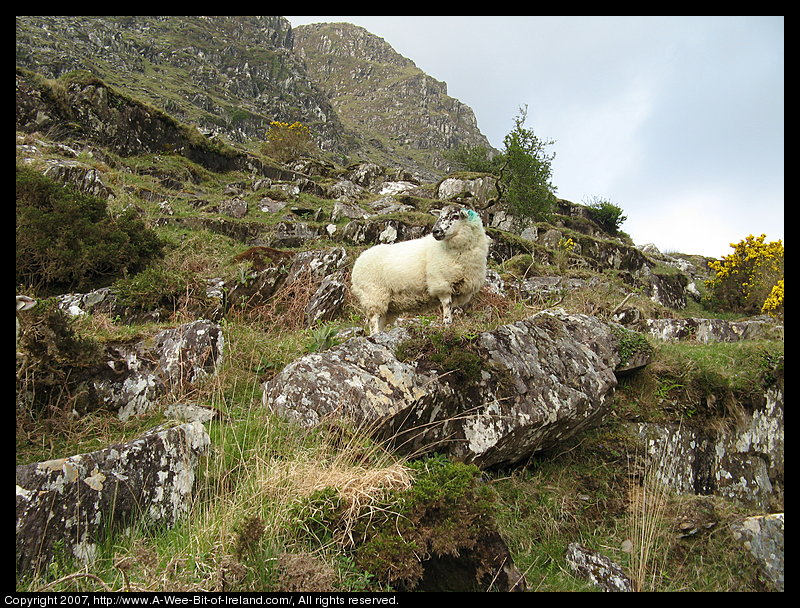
(286, 142)
(750, 280)
(67, 240)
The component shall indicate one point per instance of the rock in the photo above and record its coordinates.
(762, 535)
(235, 207)
(549, 286)
(326, 266)
(744, 463)
(668, 290)
(367, 175)
(713, 330)
(395, 188)
(597, 568)
(75, 502)
(475, 192)
(347, 191)
(360, 232)
(83, 178)
(328, 299)
(135, 376)
(351, 212)
(509, 393)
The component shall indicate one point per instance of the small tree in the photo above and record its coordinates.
(286, 142)
(750, 280)
(526, 172)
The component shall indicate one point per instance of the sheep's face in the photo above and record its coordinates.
(25, 303)
(447, 223)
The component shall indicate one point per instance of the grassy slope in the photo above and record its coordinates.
(245, 533)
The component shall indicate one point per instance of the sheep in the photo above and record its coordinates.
(23, 303)
(447, 267)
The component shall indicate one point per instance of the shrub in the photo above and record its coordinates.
(287, 142)
(605, 214)
(750, 280)
(67, 240)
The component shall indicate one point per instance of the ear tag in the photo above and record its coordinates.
(471, 215)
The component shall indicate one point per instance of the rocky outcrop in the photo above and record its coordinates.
(473, 191)
(492, 400)
(71, 504)
(713, 330)
(743, 462)
(130, 378)
(83, 107)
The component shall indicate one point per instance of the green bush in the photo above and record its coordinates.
(605, 214)
(67, 240)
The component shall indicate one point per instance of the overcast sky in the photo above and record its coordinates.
(677, 120)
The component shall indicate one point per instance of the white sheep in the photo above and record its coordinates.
(23, 303)
(446, 267)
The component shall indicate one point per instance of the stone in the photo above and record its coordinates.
(713, 330)
(763, 536)
(533, 384)
(597, 568)
(135, 376)
(83, 178)
(475, 192)
(235, 207)
(75, 502)
(744, 463)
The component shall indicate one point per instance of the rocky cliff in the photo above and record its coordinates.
(396, 108)
(228, 75)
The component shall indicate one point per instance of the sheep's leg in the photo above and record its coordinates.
(376, 323)
(447, 309)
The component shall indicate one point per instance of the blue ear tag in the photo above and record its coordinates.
(471, 215)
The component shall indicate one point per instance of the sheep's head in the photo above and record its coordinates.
(447, 224)
(25, 303)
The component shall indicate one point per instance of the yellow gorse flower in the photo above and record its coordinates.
(774, 302)
(754, 267)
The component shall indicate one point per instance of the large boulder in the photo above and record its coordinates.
(490, 399)
(72, 503)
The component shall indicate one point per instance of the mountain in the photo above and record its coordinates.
(232, 76)
(397, 108)
(226, 75)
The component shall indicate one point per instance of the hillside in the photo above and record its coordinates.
(198, 408)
